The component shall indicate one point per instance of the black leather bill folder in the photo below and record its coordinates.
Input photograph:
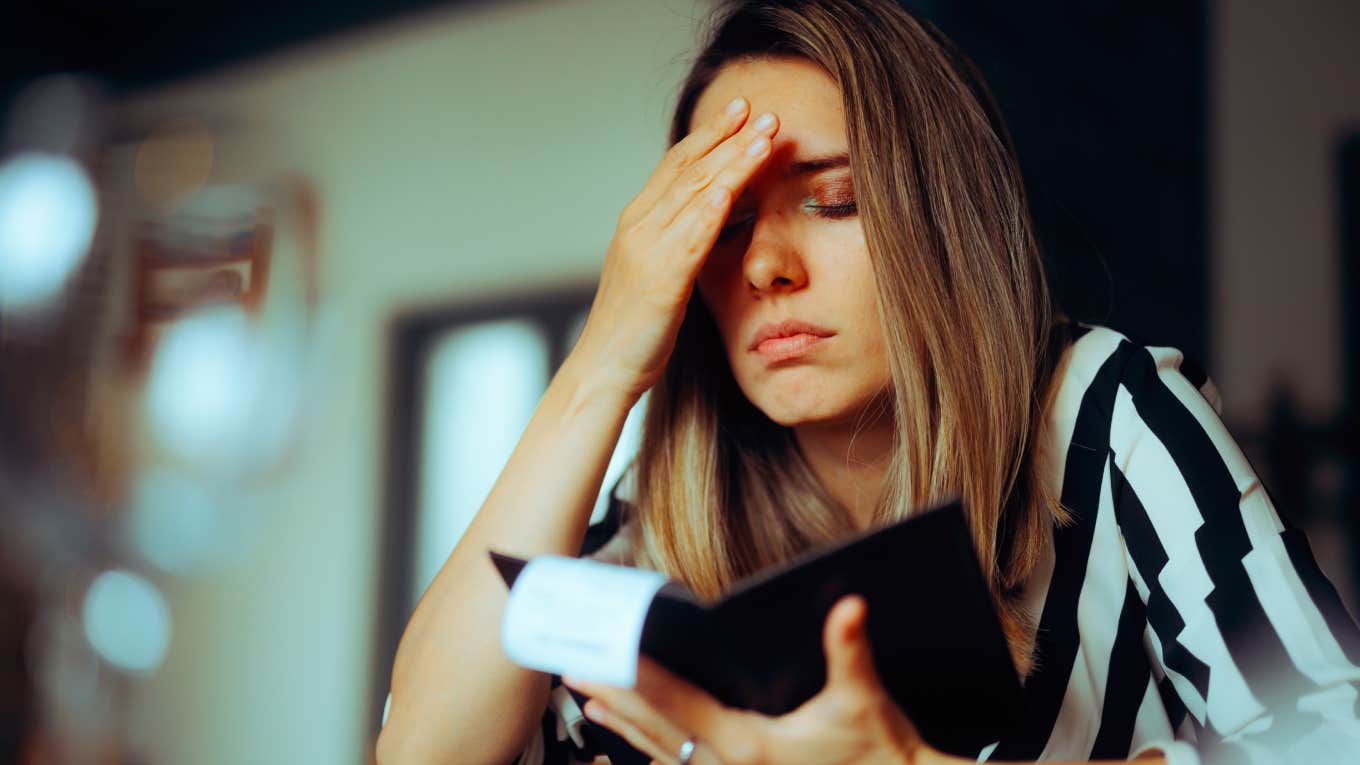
(936, 639)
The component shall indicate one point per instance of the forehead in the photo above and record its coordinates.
(800, 92)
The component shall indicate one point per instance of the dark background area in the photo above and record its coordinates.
(1107, 103)
(133, 44)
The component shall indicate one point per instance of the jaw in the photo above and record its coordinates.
(796, 395)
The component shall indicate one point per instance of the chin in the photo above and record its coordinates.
(792, 412)
(797, 419)
(794, 403)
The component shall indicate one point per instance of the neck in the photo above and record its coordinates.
(850, 460)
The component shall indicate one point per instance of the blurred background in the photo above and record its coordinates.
(280, 285)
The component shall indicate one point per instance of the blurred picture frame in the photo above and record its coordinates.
(188, 266)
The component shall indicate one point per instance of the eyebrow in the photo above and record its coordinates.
(817, 164)
(808, 166)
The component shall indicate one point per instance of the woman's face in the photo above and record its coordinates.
(789, 282)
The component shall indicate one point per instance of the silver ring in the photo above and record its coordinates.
(686, 751)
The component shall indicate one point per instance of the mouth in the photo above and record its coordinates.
(786, 340)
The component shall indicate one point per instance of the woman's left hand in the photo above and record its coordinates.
(851, 720)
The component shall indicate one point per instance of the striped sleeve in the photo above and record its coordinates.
(1249, 640)
(563, 735)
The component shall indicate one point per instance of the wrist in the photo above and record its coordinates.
(589, 387)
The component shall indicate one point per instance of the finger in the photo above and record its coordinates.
(730, 165)
(849, 657)
(601, 714)
(636, 712)
(734, 735)
(692, 236)
(694, 229)
(685, 152)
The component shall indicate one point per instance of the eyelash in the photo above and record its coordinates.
(833, 212)
(842, 210)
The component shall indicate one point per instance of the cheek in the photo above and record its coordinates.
(877, 353)
(858, 290)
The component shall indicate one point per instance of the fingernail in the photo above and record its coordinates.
(765, 122)
(734, 108)
(758, 146)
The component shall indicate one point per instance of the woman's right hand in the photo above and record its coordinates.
(662, 239)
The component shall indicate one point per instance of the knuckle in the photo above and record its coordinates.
(860, 713)
(749, 748)
(693, 218)
(710, 217)
(728, 184)
(681, 155)
(746, 750)
(689, 251)
(695, 177)
(686, 243)
(858, 708)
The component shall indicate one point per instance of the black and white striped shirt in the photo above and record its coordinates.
(1177, 613)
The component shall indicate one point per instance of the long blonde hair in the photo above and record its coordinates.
(722, 490)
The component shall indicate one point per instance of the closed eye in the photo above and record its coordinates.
(831, 211)
(843, 210)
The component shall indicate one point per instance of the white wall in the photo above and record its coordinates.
(465, 152)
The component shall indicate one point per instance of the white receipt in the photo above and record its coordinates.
(571, 616)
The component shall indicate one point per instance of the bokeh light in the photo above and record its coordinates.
(203, 380)
(176, 523)
(48, 210)
(127, 621)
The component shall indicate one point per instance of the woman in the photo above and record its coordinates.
(841, 313)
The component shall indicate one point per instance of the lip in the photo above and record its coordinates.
(788, 339)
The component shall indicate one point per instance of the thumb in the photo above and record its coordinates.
(849, 659)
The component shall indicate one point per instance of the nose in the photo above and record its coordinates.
(773, 266)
